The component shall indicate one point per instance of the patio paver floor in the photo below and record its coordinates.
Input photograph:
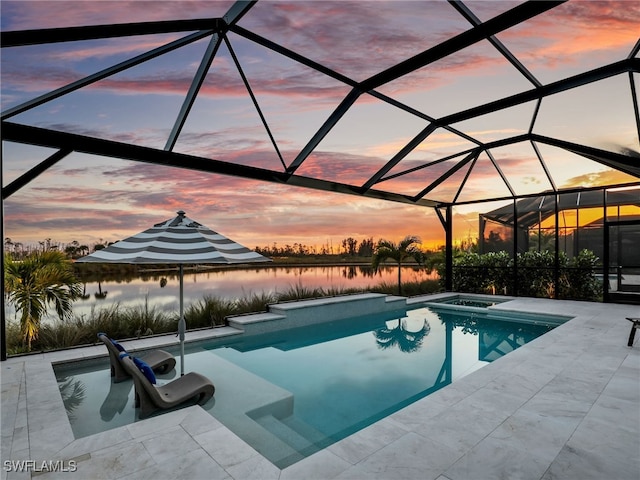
(565, 406)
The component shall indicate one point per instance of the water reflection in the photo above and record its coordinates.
(362, 370)
(400, 336)
(73, 393)
(496, 337)
(85, 295)
(161, 288)
(116, 400)
(100, 294)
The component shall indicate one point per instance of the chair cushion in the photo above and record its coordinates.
(145, 369)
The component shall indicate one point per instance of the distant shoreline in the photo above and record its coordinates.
(204, 268)
(88, 272)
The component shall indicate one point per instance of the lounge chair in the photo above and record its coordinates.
(159, 360)
(150, 398)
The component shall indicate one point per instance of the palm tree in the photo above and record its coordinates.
(41, 279)
(404, 250)
(542, 240)
(406, 340)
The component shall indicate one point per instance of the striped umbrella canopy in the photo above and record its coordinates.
(176, 241)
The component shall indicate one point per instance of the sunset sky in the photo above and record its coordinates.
(89, 199)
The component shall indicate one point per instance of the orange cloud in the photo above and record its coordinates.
(595, 179)
(88, 204)
(575, 29)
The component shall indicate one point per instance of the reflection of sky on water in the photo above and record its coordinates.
(229, 284)
(354, 381)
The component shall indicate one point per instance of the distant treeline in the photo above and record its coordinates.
(348, 246)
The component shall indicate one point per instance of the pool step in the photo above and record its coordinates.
(301, 438)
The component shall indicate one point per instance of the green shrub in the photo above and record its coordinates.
(475, 273)
(109, 319)
(300, 292)
(208, 312)
(409, 289)
(493, 273)
(64, 334)
(14, 339)
(145, 320)
(581, 280)
(536, 273)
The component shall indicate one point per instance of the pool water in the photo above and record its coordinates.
(294, 392)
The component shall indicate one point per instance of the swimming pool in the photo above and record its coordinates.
(293, 392)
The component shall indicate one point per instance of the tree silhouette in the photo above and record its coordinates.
(73, 394)
(100, 295)
(542, 240)
(402, 251)
(406, 340)
(84, 295)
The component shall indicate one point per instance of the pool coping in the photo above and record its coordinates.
(303, 313)
(562, 406)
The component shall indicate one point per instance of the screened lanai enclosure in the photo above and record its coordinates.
(523, 111)
(605, 222)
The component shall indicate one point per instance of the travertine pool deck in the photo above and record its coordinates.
(565, 406)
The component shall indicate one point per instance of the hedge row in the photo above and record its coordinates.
(494, 273)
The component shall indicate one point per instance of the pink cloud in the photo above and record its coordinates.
(386, 31)
(312, 31)
(575, 30)
(340, 167)
(107, 48)
(221, 83)
(34, 78)
(58, 14)
(324, 39)
(258, 214)
(253, 213)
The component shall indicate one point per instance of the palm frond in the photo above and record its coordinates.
(39, 280)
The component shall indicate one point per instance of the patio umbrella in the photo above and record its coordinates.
(180, 241)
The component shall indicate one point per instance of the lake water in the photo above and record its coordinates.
(162, 289)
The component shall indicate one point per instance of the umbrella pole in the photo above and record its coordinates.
(181, 323)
